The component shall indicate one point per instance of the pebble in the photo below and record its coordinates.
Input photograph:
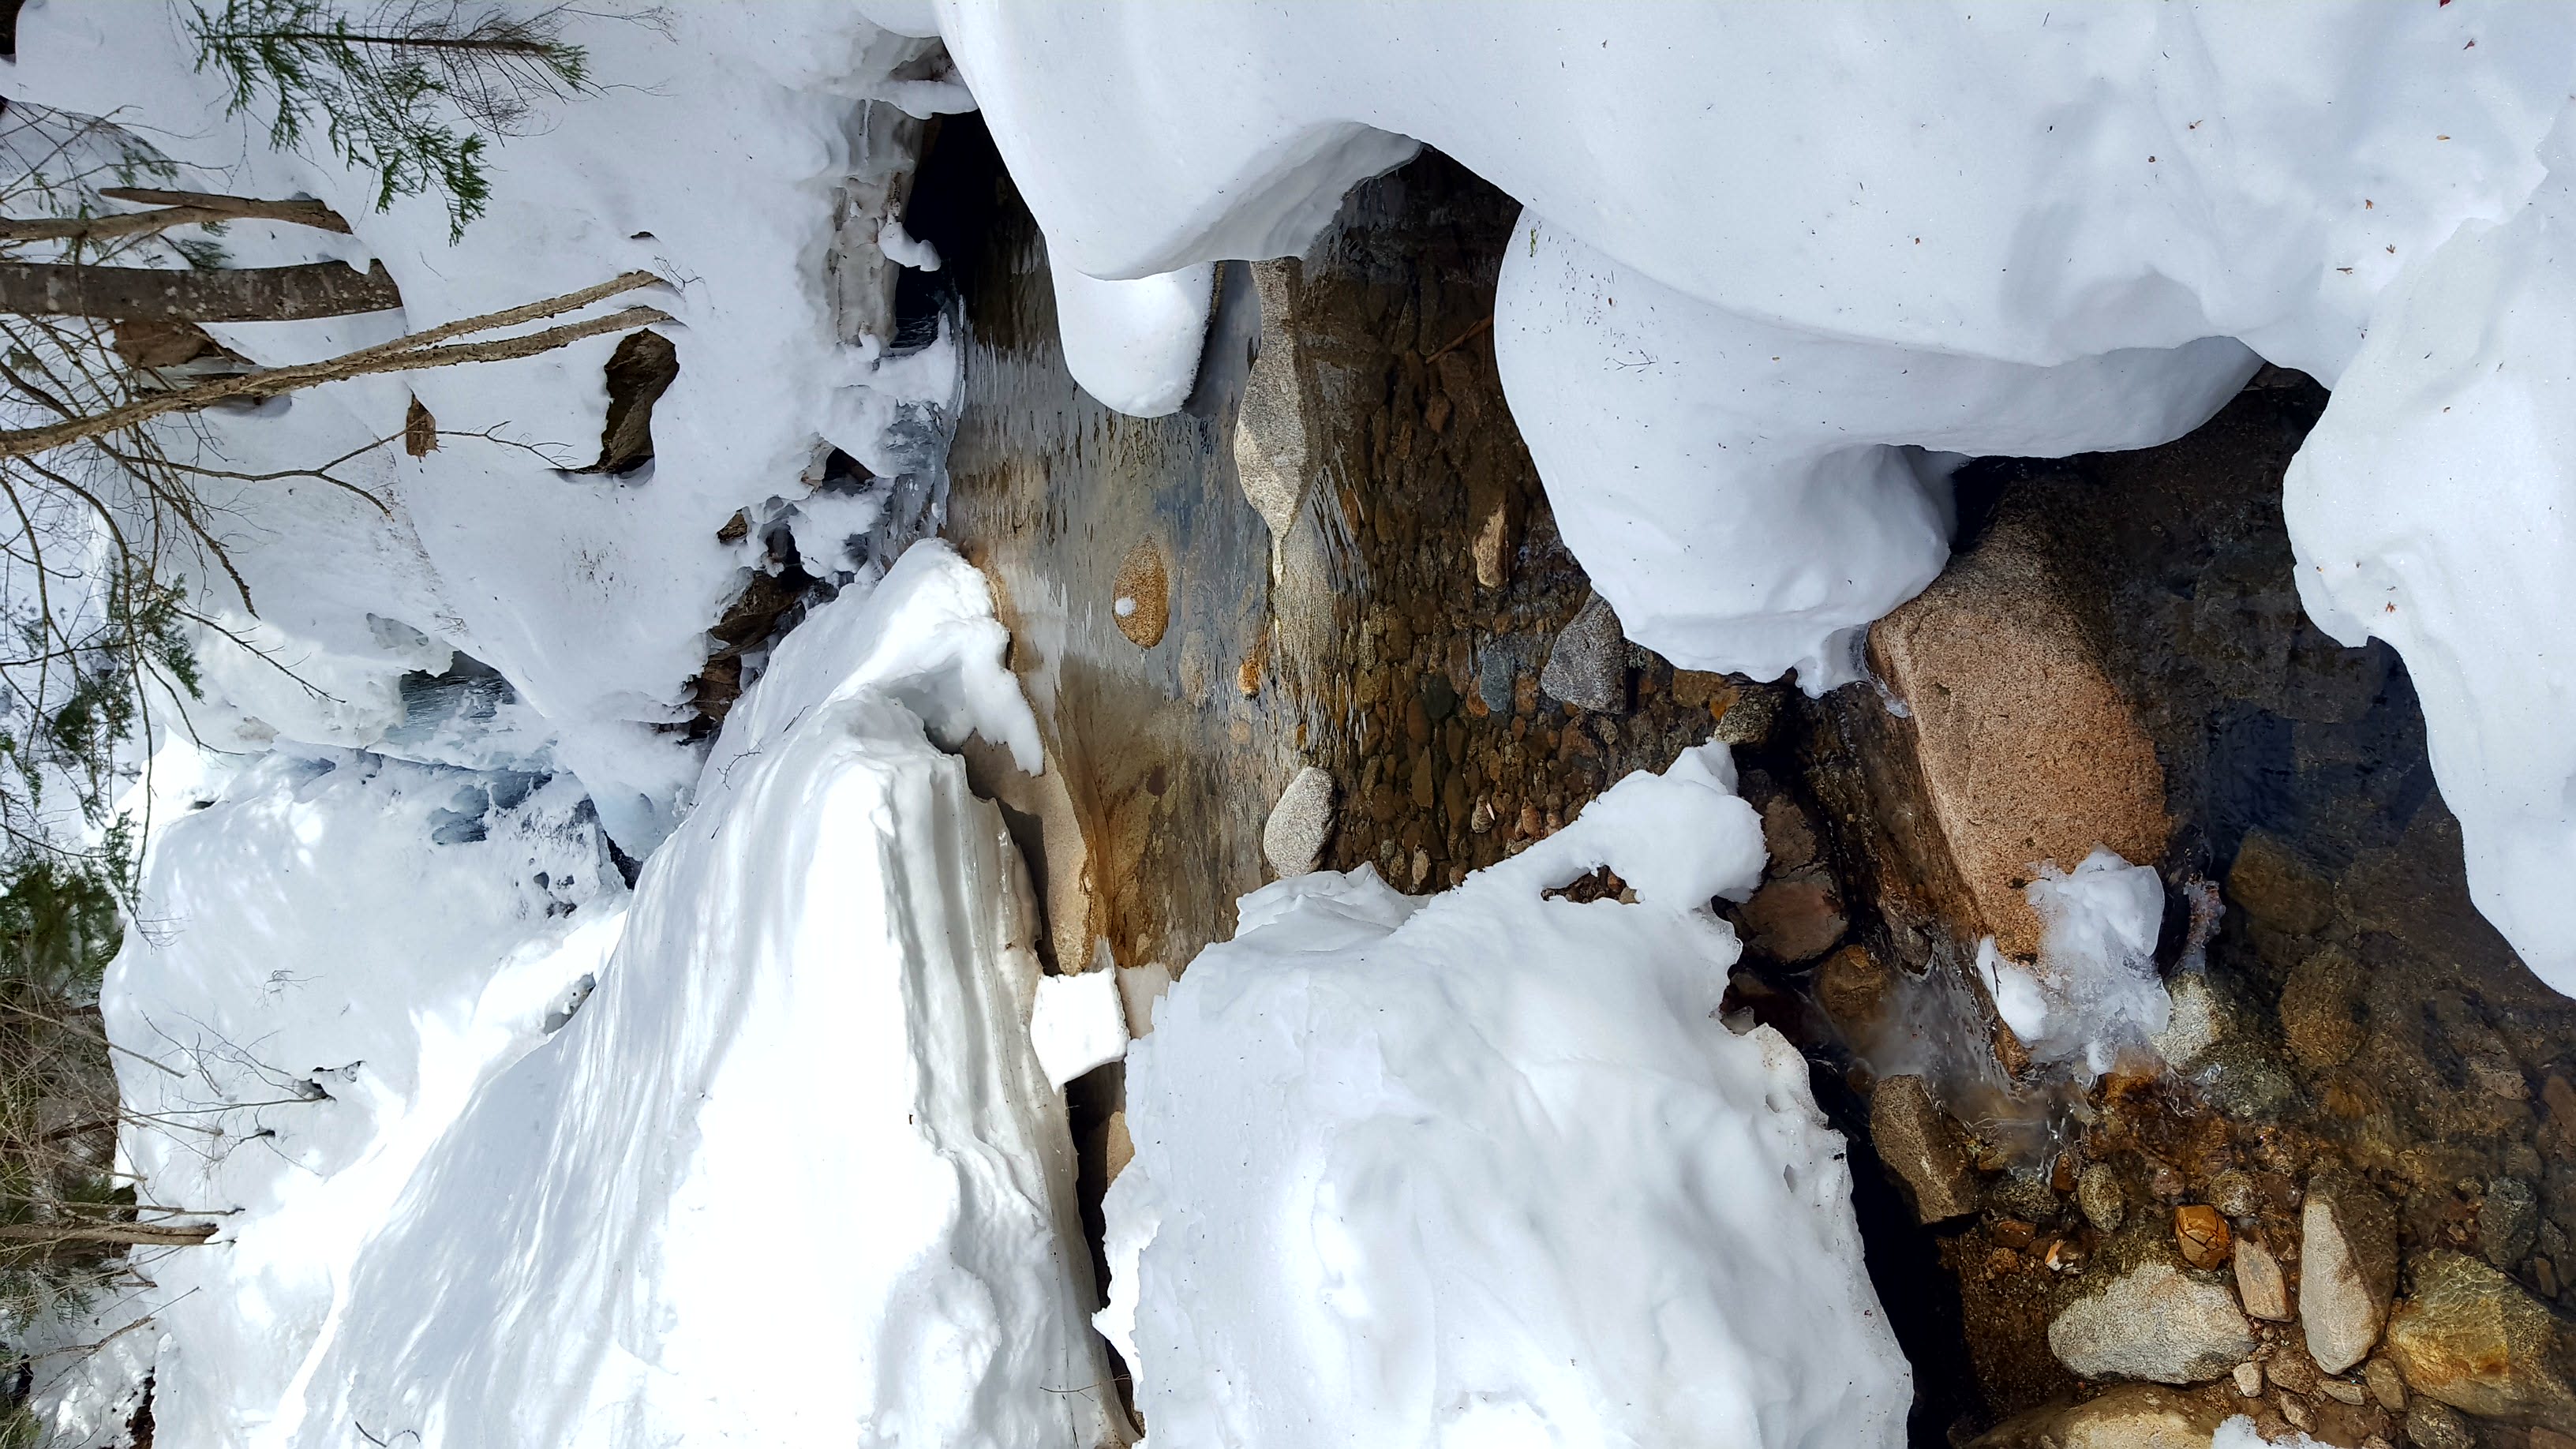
(2153, 1323)
(2386, 1384)
(2249, 1379)
(2259, 1284)
(2342, 1391)
(2202, 1235)
(2233, 1193)
(2097, 1192)
(2438, 1426)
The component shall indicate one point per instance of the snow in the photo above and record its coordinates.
(1738, 390)
(810, 1027)
(1134, 345)
(1484, 1169)
(711, 156)
(1080, 1022)
(2095, 987)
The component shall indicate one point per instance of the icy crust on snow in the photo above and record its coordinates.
(793, 1173)
(332, 955)
(712, 155)
(1724, 378)
(1486, 1170)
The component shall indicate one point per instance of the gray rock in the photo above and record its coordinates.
(2472, 1338)
(2153, 1323)
(2508, 1221)
(2259, 1283)
(1293, 838)
(2232, 1192)
(1917, 1142)
(2098, 1193)
(1270, 442)
(1587, 666)
(2347, 1269)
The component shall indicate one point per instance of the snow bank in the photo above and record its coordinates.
(1134, 345)
(2095, 987)
(790, 1173)
(332, 955)
(1723, 382)
(1486, 1170)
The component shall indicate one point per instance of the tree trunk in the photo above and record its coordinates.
(134, 1235)
(170, 294)
(178, 208)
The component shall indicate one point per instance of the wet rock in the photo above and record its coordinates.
(2342, 1391)
(1917, 1142)
(2201, 1235)
(1795, 918)
(1788, 835)
(2130, 1416)
(2233, 1193)
(1292, 840)
(2320, 1007)
(2027, 1194)
(1587, 666)
(2289, 1368)
(2347, 1268)
(2153, 1323)
(1746, 714)
(2508, 1221)
(2098, 1194)
(2387, 1385)
(2259, 1284)
(2028, 751)
(2431, 1425)
(2277, 889)
(1852, 988)
(1140, 596)
(2472, 1338)
(2249, 1379)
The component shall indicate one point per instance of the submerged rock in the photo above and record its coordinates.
(2153, 1323)
(1916, 1140)
(2098, 1193)
(2431, 1425)
(2259, 1284)
(2347, 1269)
(2131, 1416)
(2472, 1338)
(2508, 1221)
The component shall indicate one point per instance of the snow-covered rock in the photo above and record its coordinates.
(1487, 1170)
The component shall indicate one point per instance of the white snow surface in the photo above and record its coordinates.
(1485, 1169)
(1134, 345)
(790, 1174)
(1079, 1022)
(710, 156)
(2095, 988)
(1772, 251)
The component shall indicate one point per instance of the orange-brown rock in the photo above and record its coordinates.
(2202, 1235)
(2028, 752)
(1141, 595)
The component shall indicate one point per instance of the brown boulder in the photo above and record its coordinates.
(2472, 1338)
(2028, 752)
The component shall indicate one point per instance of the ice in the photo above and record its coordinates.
(1737, 386)
(1485, 1169)
(2095, 987)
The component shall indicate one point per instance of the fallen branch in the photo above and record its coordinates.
(184, 294)
(245, 208)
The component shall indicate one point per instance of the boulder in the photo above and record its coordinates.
(2347, 1268)
(2029, 753)
(1587, 666)
(2319, 1009)
(2155, 1323)
(2130, 1416)
(1916, 1140)
(1292, 840)
(2472, 1338)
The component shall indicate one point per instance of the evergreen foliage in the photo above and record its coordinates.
(386, 85)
